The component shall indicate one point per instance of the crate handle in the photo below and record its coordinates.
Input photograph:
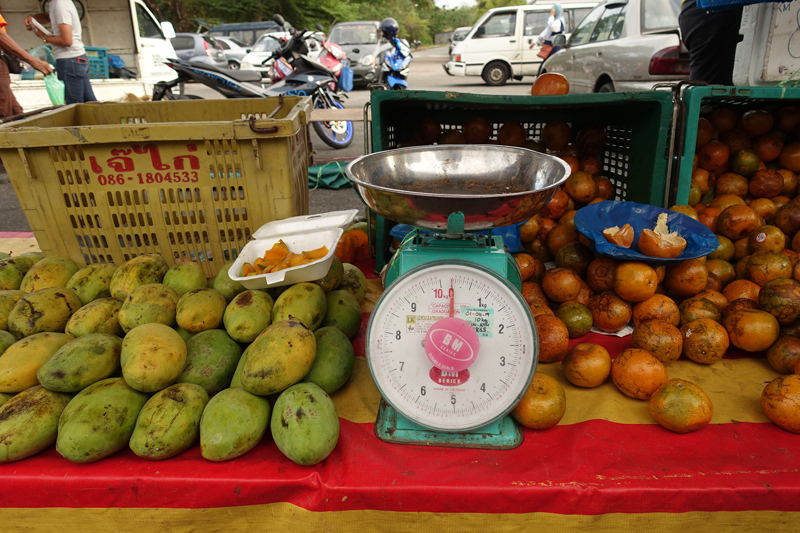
(273, 129)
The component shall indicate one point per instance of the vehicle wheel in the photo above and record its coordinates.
(336, 134)
(606, 88)
(495, 73)
(233, 65)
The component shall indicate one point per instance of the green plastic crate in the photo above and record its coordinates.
(705, 98)
(637, 125)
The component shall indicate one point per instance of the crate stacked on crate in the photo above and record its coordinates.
(98, 62)
(637, 127)
(190, 180)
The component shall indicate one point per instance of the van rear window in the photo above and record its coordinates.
(182, 43)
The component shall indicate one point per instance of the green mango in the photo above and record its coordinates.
(305, 302)
(248, 314)
(5, 396)
(185, 277)
(47, 273)
(200, 310)
(169, 423)
(211, 360)
(344, 312)
(305, 425)
(236, 380)
(334, 276)
(141, 270)
(99, 421)
(152, 358)
(29, 422)
(279, 357)
(334, 361)
(225, 285)
(12, 272)
(152, 303)
(81, 362)
(8, 299)
(45, 310)
(354, 281)
(99, 316)
(6, 340)
(233, 423)
(92, 282)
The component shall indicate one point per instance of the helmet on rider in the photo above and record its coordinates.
(389, 28)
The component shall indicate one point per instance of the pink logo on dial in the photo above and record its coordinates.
(452, 344)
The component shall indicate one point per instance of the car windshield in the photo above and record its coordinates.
(459, 35)
(354, 34)
(660, 14)
(266, 44)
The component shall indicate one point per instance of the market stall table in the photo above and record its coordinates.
(606, 466)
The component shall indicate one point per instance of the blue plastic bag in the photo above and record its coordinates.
(592, 219)
(510, 235)
(115, 61)
(346, 77)
(55, 89)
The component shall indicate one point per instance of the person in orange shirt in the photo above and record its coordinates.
(8, 103)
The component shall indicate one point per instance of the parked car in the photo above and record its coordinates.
(624, 46)
(270, 42)
(498, 47)
(234, 50)
(362, 42)
(199, 47)
(458, 36)
(247, 32)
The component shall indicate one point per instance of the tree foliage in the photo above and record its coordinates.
(418, 19)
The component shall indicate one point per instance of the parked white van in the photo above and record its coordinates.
(498, 46)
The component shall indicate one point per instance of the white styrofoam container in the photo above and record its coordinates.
(300, 234)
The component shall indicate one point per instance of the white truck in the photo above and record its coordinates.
(127, 28)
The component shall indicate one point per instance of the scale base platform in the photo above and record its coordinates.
(392, 427)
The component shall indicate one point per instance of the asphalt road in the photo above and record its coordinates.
(426, 74)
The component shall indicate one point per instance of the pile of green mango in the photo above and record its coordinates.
(155, 359)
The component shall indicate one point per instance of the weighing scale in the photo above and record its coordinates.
(451, 343)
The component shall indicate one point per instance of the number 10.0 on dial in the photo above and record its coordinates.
(411, 320)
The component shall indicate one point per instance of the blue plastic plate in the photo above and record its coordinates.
(593, 219)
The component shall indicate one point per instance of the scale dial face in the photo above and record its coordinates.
(491, 386)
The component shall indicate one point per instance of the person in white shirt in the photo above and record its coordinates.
(72, 65)
(555, 26)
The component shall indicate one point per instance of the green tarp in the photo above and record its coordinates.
(328, 176)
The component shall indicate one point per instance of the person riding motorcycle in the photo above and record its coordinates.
(394, 71)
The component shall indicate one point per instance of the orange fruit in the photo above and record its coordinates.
(686, 210)
(610, 313)
(769, 145)
(452, 137)
(780, 401)
(708, 218)
(511, 134)
(556, 207)
(581, 187)
(713, 283)
(550, 84)
(705, 131)
(787, 118)
(605, 189)
(543, 404)
(553, 338)
(591, 165)
(766, 239)
(715, 297)
(737, 221)
(559, 236)
(722, 269)
(756, 122)
(790, 157)
(780, 297)
(561, 284)
(477, 131)
(538, 249)
(784, 354)
(572, 161)
(765, 184)
(635, 281)
(585, 296)
(736, 140)
(577, 317)
(657, 307)
(704, 341)
(539, 308)
(427, 131)
(637, 373)
(586, 365)
(704, 179)
(600, 273)
(694, 308)
(591, 139)
(726, 249)
(532, 292)
(660, 338)
(725, 201)
(788, 218)
(526, 265)
(556, 135)
(681, 406)
(574, 255)
(781, 201)
(735, 305)
(568, 219)
(766, 266)
(741, 288)
(752, 330)
(712, 155)
(745, 162)
(731, 183)
(546, 226)
(723, 119)
(764, 207)
(789, 182)
(686, 278)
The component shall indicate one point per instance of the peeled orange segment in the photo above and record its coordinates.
(278, 251)
(620, 236)
(247, 269)
(660, 242)
(319, 253)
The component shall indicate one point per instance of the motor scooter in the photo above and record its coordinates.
(395, 64)
(307, 78)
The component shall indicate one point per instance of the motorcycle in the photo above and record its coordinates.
(307, 78)
(395, 64)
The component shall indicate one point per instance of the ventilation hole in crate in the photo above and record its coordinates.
(78, 179)
(189, 238)
(88, 240)
(126, 257)
(119, 198)
(196, 237)
(197, 194)
(214, 194)
(61, 177)
(115, 220)
(80, 241)
(84, 201)
(110, 198)
(121, 241)
(219, 215)
(81, 222)
(75, 201)
(90, 222)
(129, 240)
(184, 218)
(222, 236)
(154, 239)
(180, 195)
(138, 240)
(205, 237)
(145, 198)
(226, 254)
(241, 193)
(66, 200)
(149, 219)
(87, 179)
(247, 234)
(179, 238)
(104, 241)
(145, 239)
(162, 196)
(227, 215)
(239, 234)
(136, 198)
(224, 193)
(62, 154)
(192, 217)
(92, 201)
(244, 213)
(69, 177)
(235, 215)
(166, 217)
(97, 222)
(86, 259)
(79, 152)
(96, 242)
(238, 172)
(176, 218)
(53, 154)
(132, 219)
(74, 222)
(211, 173)
(172, 198)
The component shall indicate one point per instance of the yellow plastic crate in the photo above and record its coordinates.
(190, 179)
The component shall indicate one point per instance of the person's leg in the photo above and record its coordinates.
(73, 86)
(8, 103)
(711, 39)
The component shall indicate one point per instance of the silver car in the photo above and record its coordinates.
(234, 50)
(623, 46)
(199, 48)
